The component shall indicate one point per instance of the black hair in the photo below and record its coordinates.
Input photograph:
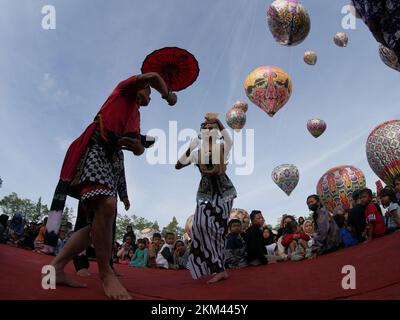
(367, 191)
(291, 227)
(169, 233)
(340, 220)
(4, 220)
(176, 242)
(231, 222)
(356, 195)
(141, 241)
(271, 238)
(316, 197)
(387, 191)
(301, 218)
(157, 235)
(253, 214)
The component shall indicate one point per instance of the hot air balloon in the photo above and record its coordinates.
(269, 88)
(389, 57)
(288, 22)
(242, 215)
(383, 150)
(236, 116)
(147, 233)
(286, 176)
(189, 225)
(341, 39)
(336, 186)
(310, 57)
(316, 127)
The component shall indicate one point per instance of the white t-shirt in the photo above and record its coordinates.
(393, 213)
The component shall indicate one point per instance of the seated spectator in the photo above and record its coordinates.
(296, 242)
(256, 250)
(396, 183)
(140, 258)
(375, 224)
(165, 257)
(154, 249)
(235, 249)
(15, 232)
(147, 242)
(342, 212)
(129, 233)
(129, 257)
(356, 217)
(114, 256)
(388, 200)
(347, 237)
(31, 231)
(269, 240)
(124, 249)
(300, 221)
(3, 228)
(61, 240)
(286, 218)
(308, 229)
(39, 241)
(327, 233)
(181, 255)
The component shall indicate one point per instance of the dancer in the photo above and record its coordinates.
(90, 174)
(214, 200)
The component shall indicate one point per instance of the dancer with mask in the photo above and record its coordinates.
(214, 200)
(327, 234)
(91, 173)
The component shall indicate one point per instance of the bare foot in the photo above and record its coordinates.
(218, 277)
(114, 289)
(62, 279)
(83, 273)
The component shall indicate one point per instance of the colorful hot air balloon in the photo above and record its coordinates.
(242, 215)
(341, 39)
(236, 116)
(286, 177)
(336, 186)
(316, 127)
(310, 57)
(383, 150)
(146, 233)
(288, 22)
(189, 225)
(269, 88)
(389, 57)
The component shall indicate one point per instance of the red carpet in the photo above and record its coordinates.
(377, 277)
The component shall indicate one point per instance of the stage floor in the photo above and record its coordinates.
(377, 277)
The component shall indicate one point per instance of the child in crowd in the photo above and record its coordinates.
(181, 255)
(129, 257)
(154, 249)
(114, 256)
(235, 249)
(308, 229)
(281, 250)
(124, 249)
(347, 237)
(375, 224)
(269, 240)
(388, 200)
(39, 241)
(61, 240)
(15, 231)
(396, 182)
(165, 257)
(140, 258)
(296, 242)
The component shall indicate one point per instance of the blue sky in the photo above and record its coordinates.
(54, 82)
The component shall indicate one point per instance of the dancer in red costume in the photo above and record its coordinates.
(91, 172)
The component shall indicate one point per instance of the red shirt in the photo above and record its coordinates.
(372, 215)
(288, 238)
(120, 113)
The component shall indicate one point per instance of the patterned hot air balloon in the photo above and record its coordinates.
(316, 127)
(189, 225)
(310, 57)
(286, 177)
(269, 88)
(336, 186)
(146, 233)
(383, 150)
(242, 215)
(341, 39)
(288, 22)
(236, 116)
(389, 57)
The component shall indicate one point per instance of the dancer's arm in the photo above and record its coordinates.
(154, 80)
(185, 159)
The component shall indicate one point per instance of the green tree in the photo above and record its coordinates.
(155, 226)
(173, 226)
(68, 215)
(13, 204)
(122, 222)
